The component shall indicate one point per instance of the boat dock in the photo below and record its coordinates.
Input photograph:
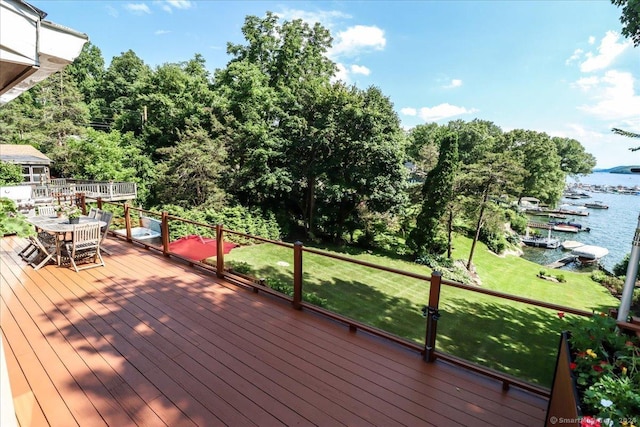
(562, 261)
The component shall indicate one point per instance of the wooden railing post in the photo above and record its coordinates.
(99, 200)
(164, 227)
(80, 200)
(433, 314)
(219, 252)
(297, 275)
(127, 221)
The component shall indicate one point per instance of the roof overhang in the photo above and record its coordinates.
(31, 48)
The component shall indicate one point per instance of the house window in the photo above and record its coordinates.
(39, 173)
(26, 174)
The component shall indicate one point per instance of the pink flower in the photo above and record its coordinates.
(589, 421)
(573, 365)
(561, 314)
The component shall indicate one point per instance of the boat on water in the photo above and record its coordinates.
(539, 241)
(564, 228)
(572, 210)
(570, 245)
(596, 205)
(589, 254)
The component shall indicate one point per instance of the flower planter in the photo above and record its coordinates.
(564, 405)
(74, 220)
(596, 382)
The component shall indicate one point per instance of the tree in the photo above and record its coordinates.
(627, 134)
(105, 157)
(174, 95)
(538, 155)
(10, 173)
(630, 19)
(437, 193)
(121, 89)
(495, 174)
(475, 139)
(574, 160)
(191, 174)
(422, 147)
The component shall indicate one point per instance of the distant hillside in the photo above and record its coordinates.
(621, 169)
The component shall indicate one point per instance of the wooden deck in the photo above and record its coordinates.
(149, 341)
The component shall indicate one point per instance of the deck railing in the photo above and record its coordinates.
(435, 282)
(107, 190)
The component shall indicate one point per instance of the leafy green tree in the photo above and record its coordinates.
(19, 122)
(437, 192)
(493, 175)
(630, 19)
(574, 159)
(63, 111)
(191, 174)
(121, 90)
(538, 155)
(174, 95)
(88, 70)
(476, 139)
(105, 157)
(423, 143)
(10, 173)
(359, 156)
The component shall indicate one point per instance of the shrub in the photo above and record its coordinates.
(310, 297)
(598, 276)
(240, 267)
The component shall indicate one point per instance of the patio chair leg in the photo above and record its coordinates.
(44, 262)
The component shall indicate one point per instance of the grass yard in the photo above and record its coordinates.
(504, 335)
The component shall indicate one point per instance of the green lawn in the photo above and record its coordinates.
(504, 335)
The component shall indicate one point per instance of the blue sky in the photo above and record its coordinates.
(559, 67)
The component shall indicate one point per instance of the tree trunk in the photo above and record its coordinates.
(311, 198)
(478, 225)
(449, 233)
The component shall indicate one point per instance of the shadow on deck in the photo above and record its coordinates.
(148, 340)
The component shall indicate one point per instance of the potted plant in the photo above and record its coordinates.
(604, 367)
(73, 213)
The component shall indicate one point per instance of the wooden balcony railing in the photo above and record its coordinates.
(106, 190)
(428, 349)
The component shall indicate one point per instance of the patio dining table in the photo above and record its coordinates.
(59, 227)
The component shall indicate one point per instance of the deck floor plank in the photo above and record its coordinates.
(147, 340)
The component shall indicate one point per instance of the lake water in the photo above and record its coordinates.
(611, 228)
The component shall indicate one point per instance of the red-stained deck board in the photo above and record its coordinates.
(147, 340)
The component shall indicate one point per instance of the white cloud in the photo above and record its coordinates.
(592, 40)
(587, 83)
(615, 98)
(360, 69)
(608, 148)
(161, 32)
(180, 4)
(341, 74)
(326, 17)
(608, 51)
(357, 39)
(112, 11)
(443, 111)
(137, 8)
(453, 83)
(408, 111)
(576, 55)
